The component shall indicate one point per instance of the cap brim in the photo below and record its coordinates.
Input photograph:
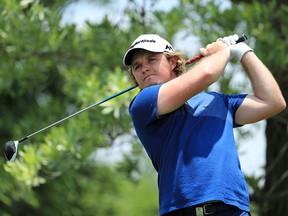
(128, 56)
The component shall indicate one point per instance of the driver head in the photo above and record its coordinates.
(10, 150)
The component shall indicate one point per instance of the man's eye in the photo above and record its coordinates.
(137, 67)
(152, 59)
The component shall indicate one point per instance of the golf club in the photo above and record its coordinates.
(11, 147)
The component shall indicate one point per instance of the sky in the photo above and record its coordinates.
(251, 151)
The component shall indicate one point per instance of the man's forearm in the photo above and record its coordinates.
(263, 83)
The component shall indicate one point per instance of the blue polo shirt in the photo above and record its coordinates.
(192, 149)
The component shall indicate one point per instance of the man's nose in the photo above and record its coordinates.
(145, 68)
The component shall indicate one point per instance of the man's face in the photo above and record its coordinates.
(149, 68)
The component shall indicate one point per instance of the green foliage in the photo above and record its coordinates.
(49, 70)
(141, 198)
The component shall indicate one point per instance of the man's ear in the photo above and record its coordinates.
(173, 61)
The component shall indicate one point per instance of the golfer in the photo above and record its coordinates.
(187, 132)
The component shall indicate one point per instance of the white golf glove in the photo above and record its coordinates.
(237, 50)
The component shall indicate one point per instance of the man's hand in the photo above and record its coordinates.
(213, 48)
(237, 50)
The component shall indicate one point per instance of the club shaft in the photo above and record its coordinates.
(77, 113)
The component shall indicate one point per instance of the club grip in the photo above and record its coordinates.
(242, 38)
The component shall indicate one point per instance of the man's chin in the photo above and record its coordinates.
(148, 84)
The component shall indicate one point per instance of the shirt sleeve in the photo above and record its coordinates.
(143, 108)
(235, 102)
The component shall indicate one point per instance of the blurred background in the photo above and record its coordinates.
(59, 56)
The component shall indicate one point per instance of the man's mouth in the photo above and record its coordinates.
(147, 77)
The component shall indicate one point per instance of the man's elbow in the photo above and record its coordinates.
(279, 105)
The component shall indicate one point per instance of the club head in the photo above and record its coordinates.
(10, 150)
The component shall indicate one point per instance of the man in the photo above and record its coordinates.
(188, 133)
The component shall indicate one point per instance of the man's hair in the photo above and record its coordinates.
(180, 64)
(179, 68)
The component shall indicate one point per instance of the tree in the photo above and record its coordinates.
(47, 72)
(274, 196)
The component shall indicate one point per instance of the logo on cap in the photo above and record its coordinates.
(142, 41)
(168, 47)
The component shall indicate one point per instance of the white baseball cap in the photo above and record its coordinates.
(149, 42)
